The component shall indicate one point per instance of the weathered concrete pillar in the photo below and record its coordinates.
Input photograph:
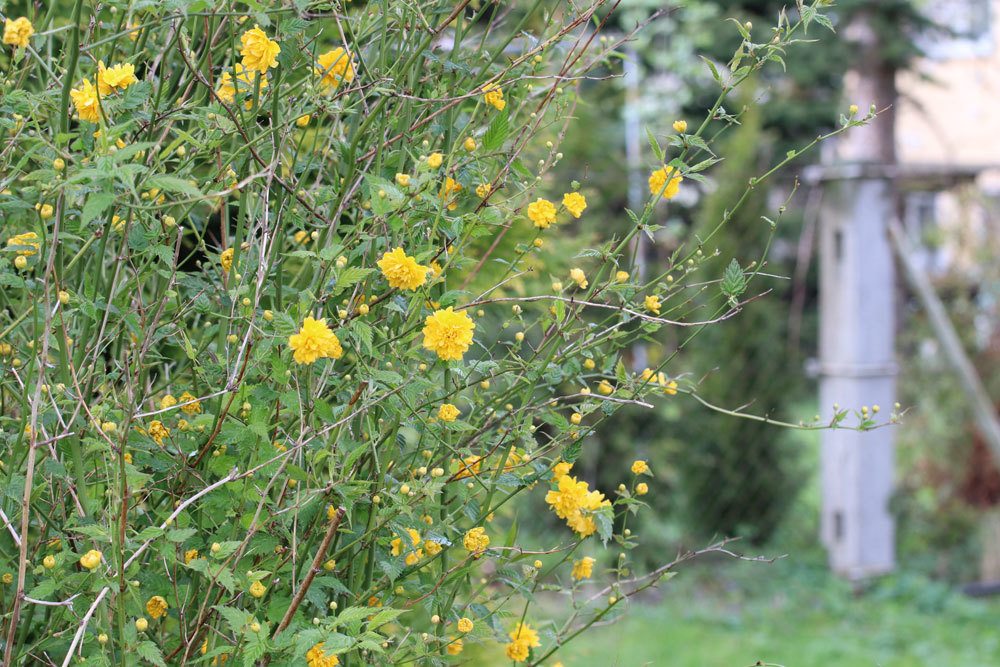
(857, 367)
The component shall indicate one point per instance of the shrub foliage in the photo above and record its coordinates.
(253, 407)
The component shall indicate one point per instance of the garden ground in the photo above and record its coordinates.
(797, 615)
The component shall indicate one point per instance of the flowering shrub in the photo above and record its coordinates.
(256, 404)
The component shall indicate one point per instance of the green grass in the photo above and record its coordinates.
(796, 615)
(789, 613)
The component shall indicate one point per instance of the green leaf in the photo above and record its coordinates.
(150, 652)
(349, 277)
(181, 534)
(149, 533)
(654, 145)
(496, 133)
(96, 204)
(172, 184)
(352, 615)
(236, 618)
(604, 518)
(384, 616)
(43, 590)
(734, 283)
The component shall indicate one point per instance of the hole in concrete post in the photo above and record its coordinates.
(838, 244)
(838, 526)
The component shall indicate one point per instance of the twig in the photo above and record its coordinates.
(10, 527)
(317, 564)
(83, 625)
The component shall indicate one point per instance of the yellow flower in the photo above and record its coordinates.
(583, 568)
(639, 467)
(156, 606)
(469, 467)
(335, 68)
(658, 182)
(403, 180)
(641, 489)
(680, 126)
(433, 548)
(192, 408)
(523, 639)
(315, 657)
(85, 101)
(91, 560)
(469, 144)
(561, 469)
(493, 96)
(448, 412)
(259, 53)
(434, 160)
(483, 190)
(303, 120)
(476, 541)
(412, 555)
(226, 259)
(17, 32)
(542, 212)
(448, 334)
(49, 562)
(579, 277)
(465, 625)
(670, 387)
(26, 244)
(118, 77)
(257, 589)
(141, 624)
(314, 341)
(621, 276)
(244, 83)
(189, 556)
(157, 431)
(455, 647)
(575, 203)
(401, 270)
(573, 501)
(652, 304)
(397, 543)
(168, 401)
(450, 186)
(605, 388)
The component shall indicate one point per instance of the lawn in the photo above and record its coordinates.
(796, 614)
(790, 613)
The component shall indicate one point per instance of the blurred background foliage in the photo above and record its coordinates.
(717, 475)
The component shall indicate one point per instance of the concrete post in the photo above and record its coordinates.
(857, 366)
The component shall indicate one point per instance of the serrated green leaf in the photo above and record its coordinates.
(151, 653)
(734, 283)
(96, 204)
(181, 534)
(497, 132)
(172, 184)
